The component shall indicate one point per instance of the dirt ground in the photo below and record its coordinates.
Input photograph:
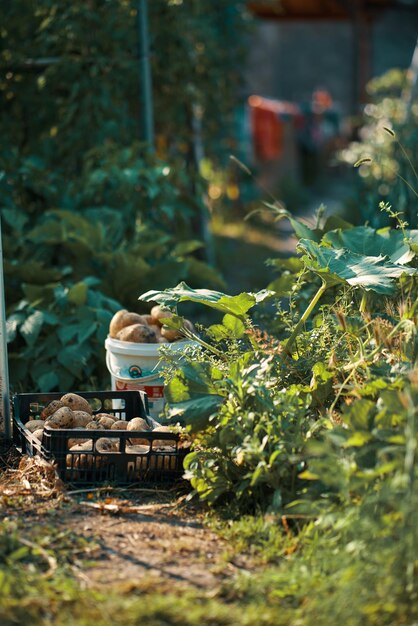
(140, 536)
(149, 537)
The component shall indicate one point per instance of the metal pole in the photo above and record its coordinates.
(145, 75)
(4, 368)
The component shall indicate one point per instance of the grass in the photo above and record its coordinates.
(315, 575)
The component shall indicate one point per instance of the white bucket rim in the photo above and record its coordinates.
(144, 349)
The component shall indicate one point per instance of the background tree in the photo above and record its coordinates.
(91, 218)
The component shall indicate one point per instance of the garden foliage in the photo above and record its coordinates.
(386, 149)
(303, 406)
(89, 215)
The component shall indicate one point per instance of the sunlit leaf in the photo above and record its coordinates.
(369, 272)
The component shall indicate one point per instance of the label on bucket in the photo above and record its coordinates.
(155, 394)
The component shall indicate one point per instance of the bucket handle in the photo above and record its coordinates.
(145, 379)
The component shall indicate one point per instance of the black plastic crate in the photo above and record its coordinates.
(153, 463)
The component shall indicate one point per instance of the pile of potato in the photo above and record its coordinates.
(74, 411)
(128, 326)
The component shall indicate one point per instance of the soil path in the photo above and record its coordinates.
(148, 543)
(147, 538)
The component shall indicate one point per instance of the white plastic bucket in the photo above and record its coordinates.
(138, 366)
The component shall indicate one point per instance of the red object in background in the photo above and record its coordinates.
(267, 128)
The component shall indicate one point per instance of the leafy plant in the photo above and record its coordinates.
(386, 151)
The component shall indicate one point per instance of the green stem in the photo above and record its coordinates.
(297, 329)
(204, 344)
(363, 303)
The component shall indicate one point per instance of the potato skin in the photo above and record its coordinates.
(173, 334)
(74, 441)
(123, 318)
(158, 314)
(50, 408)
(33, 425)
(38, 433)
(93, 425)
(137, 423)
(119, 425)
(163, 443)
(99, 416)
(104, 444)
(137, 333)
(106, 422)
(63, 418)
(81, 419)
(76, 403)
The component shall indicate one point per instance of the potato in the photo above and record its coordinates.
(50, 408)
(73, 441)
(158, 314)
(138, 423)
(145, 462)
(162, 339)
(148, 319)
(163, 443)
(173, 334)
(93, 425)
(156, 329)
(104, 444)
(99, 416)
(119, 425)
(106, 422)
(63, 418)
(137, 333)
(80, 460)
(33, 425)
(136, 449)
(121, 319)
(81, 419)
(38, 433)
(86, 446)
(76, 403)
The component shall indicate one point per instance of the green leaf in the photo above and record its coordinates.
(369, 242)
(72, 359)
(357, 440)
(335, 221)
(282, 285)
(77, 294)
(301, 229)
(187, 247)
(234, 326)
(48, 381)
(360, 414)
(218, 332)
(31, 327)
(195, 413)
(235, 305)
(368, 272)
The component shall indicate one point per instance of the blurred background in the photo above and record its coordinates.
(141, 141)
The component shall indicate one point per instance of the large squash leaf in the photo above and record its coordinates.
(368, 241)
(234, 305)
(375, 273)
